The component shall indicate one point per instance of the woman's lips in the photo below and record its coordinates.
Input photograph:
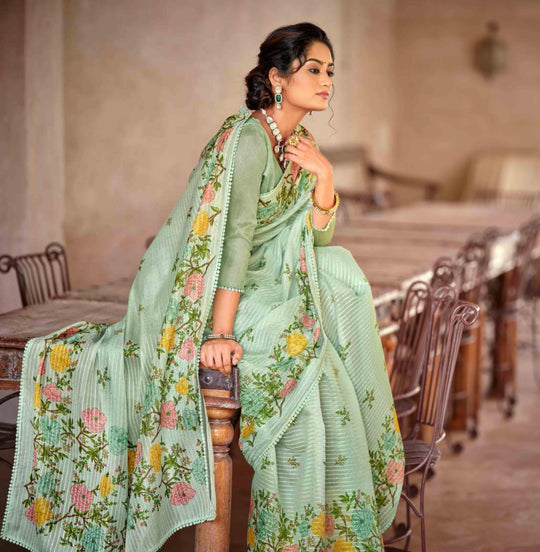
(323, 94)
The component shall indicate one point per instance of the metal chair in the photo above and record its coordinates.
(448, 317)
(410, 348)
(40, 276)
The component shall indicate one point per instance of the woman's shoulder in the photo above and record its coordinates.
(253, 137)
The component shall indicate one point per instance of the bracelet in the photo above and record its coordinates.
(320, 209)
(221, 336)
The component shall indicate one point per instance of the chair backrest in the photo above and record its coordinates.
(473, 258)
(446, 272)
(504, 177)
(523, 260)
(411, 341)
(40, 276)
(448, 316)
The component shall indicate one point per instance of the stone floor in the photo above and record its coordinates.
(485, 499)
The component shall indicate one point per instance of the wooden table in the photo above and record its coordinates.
(393, 248)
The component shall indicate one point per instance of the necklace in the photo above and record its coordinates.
(280, 145)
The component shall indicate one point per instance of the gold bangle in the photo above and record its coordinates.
(320, 209)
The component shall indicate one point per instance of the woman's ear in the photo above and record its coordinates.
(274, 77)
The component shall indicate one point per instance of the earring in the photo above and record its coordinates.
(310, 112)
(278, 97)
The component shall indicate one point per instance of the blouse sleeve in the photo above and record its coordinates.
(250, 162)
(323, 236)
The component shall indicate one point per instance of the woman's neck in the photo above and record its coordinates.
(286, 119)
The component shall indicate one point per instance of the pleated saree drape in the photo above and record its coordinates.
(113, 448)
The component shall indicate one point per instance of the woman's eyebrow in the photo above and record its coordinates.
(319, 61)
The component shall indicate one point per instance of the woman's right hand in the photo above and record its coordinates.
(216, 354)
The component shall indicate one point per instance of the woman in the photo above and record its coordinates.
(113, 414)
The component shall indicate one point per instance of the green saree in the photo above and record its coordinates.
(113, 448)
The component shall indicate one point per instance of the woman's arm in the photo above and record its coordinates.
(224, 310)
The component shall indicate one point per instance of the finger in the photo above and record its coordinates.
(218, 362)
(202, 359)
(226, 362)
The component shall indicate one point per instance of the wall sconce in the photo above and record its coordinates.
(490, 52)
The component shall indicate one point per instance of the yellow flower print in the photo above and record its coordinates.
(200, 224)
(318, 525)
(247, 429)
(60, 358)
(37, 397)
(343, 546)
(131, 460)
(154, 456)
(182, 386)
(167, 338)
(106, 485)
(396, 422)
(251, 536)
(308, 222)
(42, 511)
(296, 343)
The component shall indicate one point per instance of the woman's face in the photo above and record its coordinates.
(302, 88)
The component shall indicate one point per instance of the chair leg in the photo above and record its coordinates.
(534, 343)
(408, 517)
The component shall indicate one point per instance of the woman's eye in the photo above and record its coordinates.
(331, 73)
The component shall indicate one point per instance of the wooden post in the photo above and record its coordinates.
(221, 397)
(504, 352)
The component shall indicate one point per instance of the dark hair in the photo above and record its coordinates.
(279, 49)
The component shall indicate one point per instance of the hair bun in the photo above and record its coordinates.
(259, 90)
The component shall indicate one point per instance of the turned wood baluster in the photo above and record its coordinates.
(221, 397)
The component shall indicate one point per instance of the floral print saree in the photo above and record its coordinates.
(113, 448)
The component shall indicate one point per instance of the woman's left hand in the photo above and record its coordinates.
(309, 158)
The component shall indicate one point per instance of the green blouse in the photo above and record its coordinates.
(255, 162)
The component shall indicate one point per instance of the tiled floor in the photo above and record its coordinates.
(485, 499)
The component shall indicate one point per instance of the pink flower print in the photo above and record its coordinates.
(291, 548)
(52, 392)
(94, 420)
(208, 194)
(169, 417)
(307, 322)
(41, 367)
(316, 333)
(395, 472)
(181, 493)
(251, 506)
(287, 388)
(138, 453)
(81, 497)
(302, 259)
(69, 332)
(222, 139)
(330, 524)
(29, 513)
(187, 350)
(194, 286)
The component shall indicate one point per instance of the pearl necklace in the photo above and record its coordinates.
(280, 146)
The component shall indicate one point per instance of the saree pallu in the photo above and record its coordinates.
(113, 447)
